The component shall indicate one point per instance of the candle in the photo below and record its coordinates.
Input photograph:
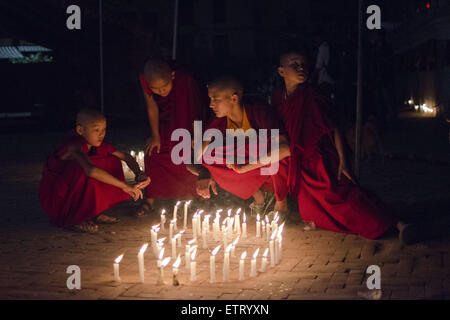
(186, 204)
(171, 229)
(199, 220)
(253, 264)
(242, 265)
(174, 246)
(163, 264)
(272, 250)
(163, 219)
(187, 252)
(175, 267)
(208, 226)
(194, 226)
(160, 256)
(279, 239)
(141, 261)
(263, 229)
(116, 267)
(159, 246)
(230, 229)
(212, 265)
(175, 209)
(244, 227)
(133, 153)
(193, 266)
(233, 247)
(226, 263)
(264, 261)
(267, 229)
(215, 228)
(258, 226)
(205, 244)
(179, 238)
(237, 222)
(154, 237)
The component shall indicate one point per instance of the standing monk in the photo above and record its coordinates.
(318, 174)
(174, 101)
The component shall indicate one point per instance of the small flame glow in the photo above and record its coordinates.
(216, 250)
(133, 153)
(119, 258)
(161, 241)
(280, 229)
(192, 241)
(178, 203)
(201, 212)
(163, 211)
(227, 250)
(176, 236)
(243, 255)
(274, 234)
(143, 248)
(193, 248)
(156, 226)
(235, 241)
(245, 218)
(194, 252)
(255, 254)
(267, 219)
(263, 223)
(181, 232)
(238, 211)
(165, 262)
(258, 217)
(161, 254)
(266, 252)
(177, 262)
(173, 221)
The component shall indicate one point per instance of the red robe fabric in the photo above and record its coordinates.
(68, 195)
(334, 205)
(184, 104)
(246, 184)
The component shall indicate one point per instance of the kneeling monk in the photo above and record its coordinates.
(84, 177)
(244, 180)
(318, 175)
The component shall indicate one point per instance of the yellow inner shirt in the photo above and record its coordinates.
(245, 123)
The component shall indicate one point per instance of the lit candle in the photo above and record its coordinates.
(272, 250)
(205, 244)
(141, 261)
(224, 234)
(253, 264)
(237, 222)
(175, 267)
(233, 247)
(186, 204)
(212, 265)
(174, 246)
(258, 226)
(133, 153)
(116, 267)
(244, 227)
(154, 234)
(171, 229)
(179, 238)
(163, 264)
(175, 209)
(263, 229)
(226, 263)
(163, 219)
(193, 266)
(279, 240)
(267, 228)
(160, 256)
(264, 260)
(194, 226)
(208, 227)
(216, 228)
(242, 265)
(159, 245)
(199, 220)
(187, 252)
(230, 229)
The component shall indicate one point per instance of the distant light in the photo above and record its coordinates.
(428, 5)
(410, 102)
(416, 107)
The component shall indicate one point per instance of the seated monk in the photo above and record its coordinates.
(174, 101)
(319, 177)
(84, 177)
(243, 180)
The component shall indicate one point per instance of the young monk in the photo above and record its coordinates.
(84, 177)
(174, 101)
(318, 174)
(243, 180)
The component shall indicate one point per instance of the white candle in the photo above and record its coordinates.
(215, 228)
(264, 261)
(175, 209)
(141, 261)
(133, 153)
(242, 266)
(174, 246)
(116, 267)
(279, 240)
(233, 247)
(230, 229)
(160, 256)
(194, 226)
(272, 250)
(154, 234)
(175, 267)
(193, 266)
(258, 226)
(237, 222)
(163, 219)
(263, 229)
(171, 229)
(212, 265)
(187, 253)
(253, 264)
(226, 263)
(186, 204)
(163, 264)
(179, 238)
(244, 227)
(267, 228)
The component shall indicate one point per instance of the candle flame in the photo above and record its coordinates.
(163, 211)
(156, 226)
(178, 203)
(238, 211)
(161, 241)
(229, 212)
(280, 229)
(263, 223)
(255, 254)
(224, 222)
(192, 241)
(245, 218)
(188, 202)
(201, 212)
(258, 217)
(176, 236)
(267, 219)
(119, 258)
(161, 254)
(207, 217)
(243, 255)
(177, 262)
(132, 153)
(228, 248)
(194, 252)
(181, 232)
(193, 248)
(235, 241)
(274, 234)
(219, 211)
(143, 248)
(276, 214)
(266, 252)
(165, 262)
(173, 221)
(216, 250)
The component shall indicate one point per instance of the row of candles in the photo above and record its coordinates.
(271, 232)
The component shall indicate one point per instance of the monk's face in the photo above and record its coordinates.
(294, 68)
(222, 101)
(162, 86)
(93, 132)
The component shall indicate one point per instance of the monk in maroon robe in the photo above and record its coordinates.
(174, 101)
(326, 190)
(244, 179)
(84, 177)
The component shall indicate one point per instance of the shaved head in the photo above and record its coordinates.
(228, 83)
(285, 57)
(88, 116)
(156, 69)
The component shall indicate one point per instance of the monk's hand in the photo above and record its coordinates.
(143, 184)
(343, 170)
(133, 191)
(203, 186)
(153, 142)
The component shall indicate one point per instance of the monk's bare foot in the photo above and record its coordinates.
(259, 197)
(104, 219)
(85, 227)
(281, 205)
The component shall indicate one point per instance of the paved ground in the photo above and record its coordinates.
(315, 265)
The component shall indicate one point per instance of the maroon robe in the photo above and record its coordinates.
(68, 195)
(332, 204)
(244, 185)
(184, 104)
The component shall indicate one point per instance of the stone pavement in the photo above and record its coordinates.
(316, 264)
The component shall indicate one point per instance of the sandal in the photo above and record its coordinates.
(99, 221)
(86, 227)
(145, 208)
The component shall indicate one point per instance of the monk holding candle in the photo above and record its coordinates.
(243, 180)
(84, 177)
(174, 101)
(319, 177)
